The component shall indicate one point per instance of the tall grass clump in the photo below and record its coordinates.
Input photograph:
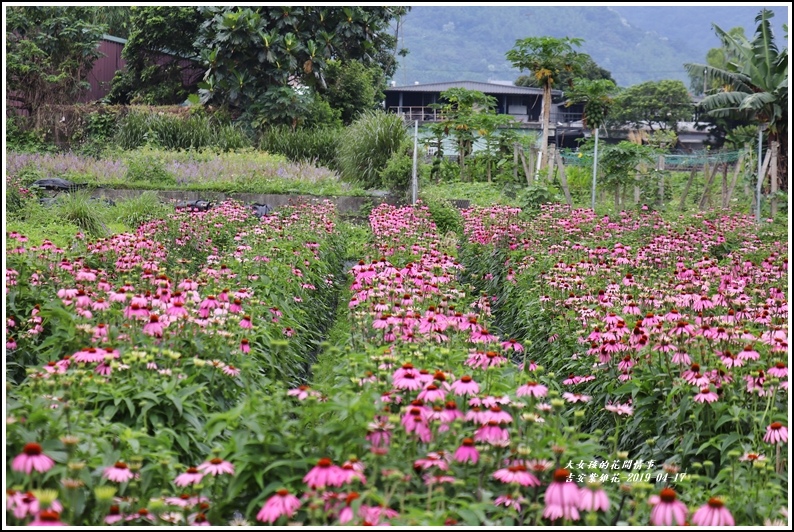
(83, 211)
(147, 206)
(318, 145)
(174, 132)
(366, 146)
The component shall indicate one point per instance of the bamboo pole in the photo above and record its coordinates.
(706, 188)
(563, 179)
(736, 172)
(660, 169)
(773, 179)
(692, 175)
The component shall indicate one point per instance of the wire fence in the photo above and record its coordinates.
(674, 161)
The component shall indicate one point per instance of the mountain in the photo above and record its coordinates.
(636, 44)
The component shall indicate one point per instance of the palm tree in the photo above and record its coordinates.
(596, 95)
(754, 85)
(546, 58)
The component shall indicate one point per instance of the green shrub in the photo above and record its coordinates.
(146, 166)
(397, 174)
(25, 140)
(80, 209)
(317, 145)
(176, 132)
(366, 146)
(446, 217)
(135, 211)
(536, 195)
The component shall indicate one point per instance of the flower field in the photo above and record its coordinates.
(556, 368)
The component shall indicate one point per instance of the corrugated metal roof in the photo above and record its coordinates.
(488, 88)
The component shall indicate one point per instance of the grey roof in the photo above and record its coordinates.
(489, 88)
(111, 38)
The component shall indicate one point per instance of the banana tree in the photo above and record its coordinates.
(753, 85)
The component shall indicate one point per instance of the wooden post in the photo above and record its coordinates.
(551, 158)
(660, 169)
(734, 180)
(773, 179)
(515, 161)
(692, 174)
(526, 166)
(563, 179)
(760, 182)
(724, 195)
(706, 188)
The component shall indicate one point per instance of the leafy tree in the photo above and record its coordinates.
(597, 97)
(49, 53)
(160, 40)
(353, 88)
(619, 163)
(547, 58)
(657, 104)
(459, 117)
(754, 85)
(117, 19)
(253, 53)
(717, 58)
(588, 69)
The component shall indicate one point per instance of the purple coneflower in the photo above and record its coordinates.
(325, 473)
(191, 476)
(32, 458)
(713, 513)
(562, 497)
(532, 389)
(217, 466)
(776, 432)
(667, 510)
(118, 472)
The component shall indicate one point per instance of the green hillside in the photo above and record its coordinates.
(635, 43)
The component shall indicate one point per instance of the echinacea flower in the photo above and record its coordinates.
(776, 432)
(282, 503)
(467, 452)
(706, 396)
(667, 510)
(217, 466)
(118, 472)
(325, 473)
(465, 386)
(713, 513)
(593, 499)
(562, 497)
(517, 474)
(532, 389)
(32, 458)
(191, 476)
(47, 518)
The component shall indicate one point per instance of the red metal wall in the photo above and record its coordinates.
(104, 69)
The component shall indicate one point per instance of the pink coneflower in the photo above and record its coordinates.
(217, 466)
(432, 460)
(681, 357)
(576, 397)
(776, 432)
(282, 503)
(517, 474)
(118, 472)
(752, 457)
(667, 510)
(482, 336)
(513, 344)
(748, 353)
(593, 499)
(350, 472)
(47, 518)
(191, 476)
(114, 515)
(491, 433)
(532, 389)
(620, 409)
(432, 393)
(779, 370)
(325, 473)
(467, 452)
(408, 381)
(713, 513)
(246, 323)
(562, 497)
(154, 327)
(198, 519)
(32, 458)
(508, 501)
(465, 386)
(706, 395)
(245, 345)
(231, 370)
